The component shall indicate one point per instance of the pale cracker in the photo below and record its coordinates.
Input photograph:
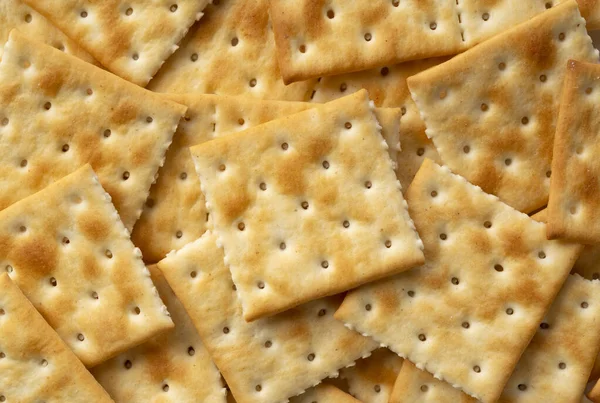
(35, 364)
(324, 393)
(172, 367)
(491, 111)
(320, 211)
(231, 51)
(320, 39)
(574, 204)
(131, 38)
(175, 212)
(268, 360)
(16, 14)
(372, 378)
(387, 88)
(57, 113)
(417, 386)
(489, 276)
(69, 252)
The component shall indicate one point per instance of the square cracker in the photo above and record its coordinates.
(35, 364)
(574, 204)
(372, 378)
(175, 212)
(131, 38)
(16, 14)
(268, 360)
(308, 220)
(491, 111)
(174, 362)
(387, 88)
(69, 252)
(324, 393)
(489, 276)
(552, 368)
(320, 39)
(231, 51)
(57, 113)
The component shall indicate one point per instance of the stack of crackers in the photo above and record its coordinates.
(308, 201)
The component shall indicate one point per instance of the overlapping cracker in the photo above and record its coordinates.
(324, 393)
(16, 14)
(489, 277)
(131, 38)
(574, 205)
(319, 39)
(175, 212)
(69, 252)
(491, 111)
(372, 378)
(590, 10)
(269, 359)
(35, 364)
(231, 51)
(387, 87)
(58, 113)
(320, 211)
(171, 367)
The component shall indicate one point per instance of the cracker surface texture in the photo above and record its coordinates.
(316, 39)
(67, 249)
(270, 359)
(489, 276)
(172, 367)
(574, 205)
(130, 38)
(491, 111)
(320, 211)
(230, 51)
(35, 363)
(324, 393)
(58, 113)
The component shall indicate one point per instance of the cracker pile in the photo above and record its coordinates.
(299, 201)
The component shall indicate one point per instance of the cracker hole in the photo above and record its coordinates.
(388, 244)
(422, 337)
(455, 280)
(326, 164)
(108, 254)
(258, 388)
(191, 351)
(65, 148)
(330, 14)
(368, 37)
(126, 175)
(9, 268)
(524, 120)
(498, 268)
(22, 228)
(584, 305)
(304, 205)
(368, 307)
(476, 369)
(579, 150)
(487, 224)
(94, 295)
(53, 282)
(222, 167)
(241, 226)
(282, 246)
(137, 310)
(260, 285)
(434, 193)
(443, 94)
(561, 36)
(368, 184)
(310, 357)
(544, 325)
(484, 107)
(324, 264)
(66, 240)
(548, 5)
(543, 78)
(179, 234)
(165, 388)
(424, 388)
(322, 312)
(485, 16)
(28, 18)
(395, 3)
(302, 48)
(149, 119)
(348, 125)
(253, 82)
(420, 151)
(562, 365)
(2, 311)
(129, 11)
(411, 293)
(403, 111)
(377, 388)
(83, 14)
(433, 26)
(47, 106)
(542, 255)
(194, 57)
(262, 186)
(127, 364)
(588, 90)
(343, 87)
(183, 176)
(284, 146)
(443, 237)
(225, 330)
(522, 387)
(4, 121)
(595, 276)
(173, 8)
(507, 162)
(466, 325)
(384, 71)
(346, 224)
(548, 174)
(509, 311)
(268, 344)
(80, 337)
(193, 274)
(44, 363)
(501, 66)
(89, 91)
(2, 355)
(107, 133)
(135, 56)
